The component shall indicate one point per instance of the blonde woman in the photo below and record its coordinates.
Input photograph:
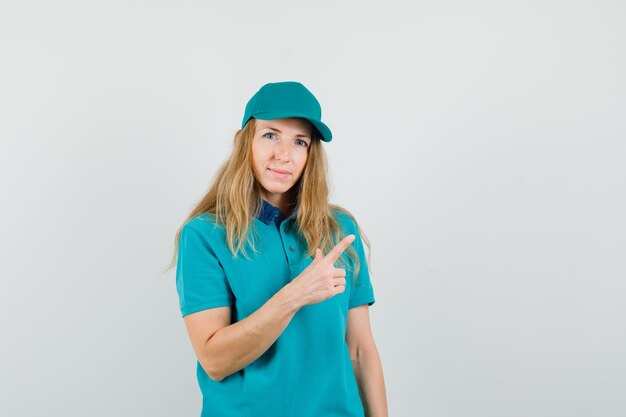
(272, 279)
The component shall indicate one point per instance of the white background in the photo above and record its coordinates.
(479, 143)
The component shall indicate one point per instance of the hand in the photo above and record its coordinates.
(321, 280)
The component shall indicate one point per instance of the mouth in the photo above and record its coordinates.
(280, 171)
(279, 174)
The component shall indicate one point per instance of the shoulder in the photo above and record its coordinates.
(346, 220)
(203, 225)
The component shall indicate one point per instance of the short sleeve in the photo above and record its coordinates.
(361, 291)
(201, 282)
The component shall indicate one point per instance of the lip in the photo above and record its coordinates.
(279, 173)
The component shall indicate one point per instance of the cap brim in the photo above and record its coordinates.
(327, 135)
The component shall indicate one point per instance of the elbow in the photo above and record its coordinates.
(215, 374)
(362, 353)
(210, 364)
(354, 355)
(215, 377)
(211, 371)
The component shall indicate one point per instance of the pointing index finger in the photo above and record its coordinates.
(336, 252)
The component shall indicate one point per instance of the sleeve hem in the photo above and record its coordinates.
(204, 306)
(368, 301)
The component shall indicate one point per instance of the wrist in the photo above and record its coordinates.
(289, 297)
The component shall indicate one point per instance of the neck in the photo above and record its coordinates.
(281, 201)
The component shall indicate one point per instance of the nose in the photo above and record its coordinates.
(283, 151)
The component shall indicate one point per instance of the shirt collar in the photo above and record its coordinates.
(268, 213)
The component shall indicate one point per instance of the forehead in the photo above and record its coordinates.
(292, 124)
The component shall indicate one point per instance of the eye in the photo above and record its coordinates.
(265, 135)
(303, 143)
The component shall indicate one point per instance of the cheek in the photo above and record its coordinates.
(261, 149)
(301, 162)
(256, 162)
(258, 154)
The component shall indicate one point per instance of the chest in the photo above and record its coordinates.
(280, 257)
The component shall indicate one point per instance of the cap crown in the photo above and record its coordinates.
(286, 99)
(283, 97)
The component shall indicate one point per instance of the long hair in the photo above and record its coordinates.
(234, 200)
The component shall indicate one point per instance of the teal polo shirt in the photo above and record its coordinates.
(307, 372)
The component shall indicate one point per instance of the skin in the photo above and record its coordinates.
(368, 368)
(286, 150)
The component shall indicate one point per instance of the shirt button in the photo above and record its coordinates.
(291, 248)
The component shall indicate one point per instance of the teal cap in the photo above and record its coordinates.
(286, 99)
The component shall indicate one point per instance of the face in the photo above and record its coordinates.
(280, 149)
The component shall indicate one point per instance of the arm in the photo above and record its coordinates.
(231, 347)
(223, 348)
(366, 362)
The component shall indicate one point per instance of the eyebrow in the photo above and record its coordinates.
(299, 135)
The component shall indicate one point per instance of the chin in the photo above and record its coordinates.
(277, 189)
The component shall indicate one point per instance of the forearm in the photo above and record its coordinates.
(368, 371)
(236, 346)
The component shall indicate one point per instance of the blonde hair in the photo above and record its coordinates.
(234, 200)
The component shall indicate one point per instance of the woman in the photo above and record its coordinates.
(277, 329)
